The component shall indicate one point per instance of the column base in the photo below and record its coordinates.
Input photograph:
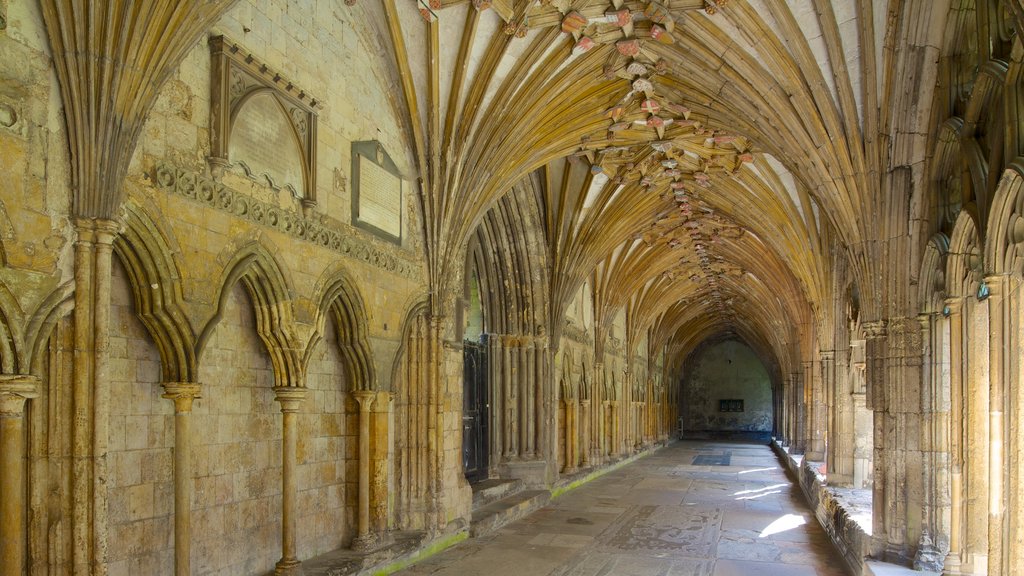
(951, 564)
(928, 559)
(288, 567)
(365, 543)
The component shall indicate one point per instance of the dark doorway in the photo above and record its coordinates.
(474, 410)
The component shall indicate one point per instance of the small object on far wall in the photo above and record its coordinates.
(730, 405)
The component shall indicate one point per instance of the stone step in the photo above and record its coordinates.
(493, 516)
(493, 490)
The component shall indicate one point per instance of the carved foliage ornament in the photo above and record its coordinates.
(324, 231)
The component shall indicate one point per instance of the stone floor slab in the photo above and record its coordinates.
(661, 516)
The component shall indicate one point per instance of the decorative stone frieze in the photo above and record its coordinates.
(323, 231)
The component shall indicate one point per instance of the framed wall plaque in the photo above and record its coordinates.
(377, 191)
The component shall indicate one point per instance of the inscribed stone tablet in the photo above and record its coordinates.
(380, 197)
(263, 140)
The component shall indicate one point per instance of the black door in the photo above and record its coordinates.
(474, 411)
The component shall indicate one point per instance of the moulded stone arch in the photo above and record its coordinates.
(932, 285)
(566, 383)
(266, 282)
(964, 266)
(23, 334)
(339, 298)
(419, 307)
(584, 384)
(1004, 243)
(10, 333)
(155, 282)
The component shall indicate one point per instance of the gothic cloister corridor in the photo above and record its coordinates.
(334, 286)
(695, 508)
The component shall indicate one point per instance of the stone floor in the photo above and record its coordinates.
(691, 509)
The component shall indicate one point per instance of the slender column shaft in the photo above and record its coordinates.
(81, 514)
(106, 232)
(997, 462)
(955, 440)
(364, 539)
(291, 399)
(510, 401)
(183, 394)
(14, 390)
(531, 383)
(585, 404)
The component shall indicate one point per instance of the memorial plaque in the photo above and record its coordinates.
(376, 191)
(380, 197)
(263, 141)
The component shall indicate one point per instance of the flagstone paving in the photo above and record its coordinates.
(690, 509)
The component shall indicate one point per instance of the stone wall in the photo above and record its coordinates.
(237, 450)
(141, 429)
(726, 371)
(328, 454)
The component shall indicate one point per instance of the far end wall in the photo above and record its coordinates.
(727, 371)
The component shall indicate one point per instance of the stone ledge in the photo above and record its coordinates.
(839, 511)
(876, 568)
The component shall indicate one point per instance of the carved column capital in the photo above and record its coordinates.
(995, 283)
(183, 393)
(954, 304)
(827, 354)
(290, 397)
(14, 390)
(364, 398)
(105, 230)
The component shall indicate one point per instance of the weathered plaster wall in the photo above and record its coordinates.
(726, 370)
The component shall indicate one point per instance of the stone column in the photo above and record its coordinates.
(364, 539)
(585, 408)
(182, 393)
(616, 447)
(291, 399)
(510, 402)
(996, 393)
(831, 440)
(929, 557)
(570, 436)
(799, 433)
(953, 561)
(14, 391)
(380, 481)
(815, 412)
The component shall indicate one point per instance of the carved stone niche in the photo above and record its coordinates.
(262, 122)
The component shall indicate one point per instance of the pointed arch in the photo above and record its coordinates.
(932, 285)
(145, 251)
(266, 282)
(1005, 238)
(10, 334)
(339, 298)
(567, 385)
(964, 264)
